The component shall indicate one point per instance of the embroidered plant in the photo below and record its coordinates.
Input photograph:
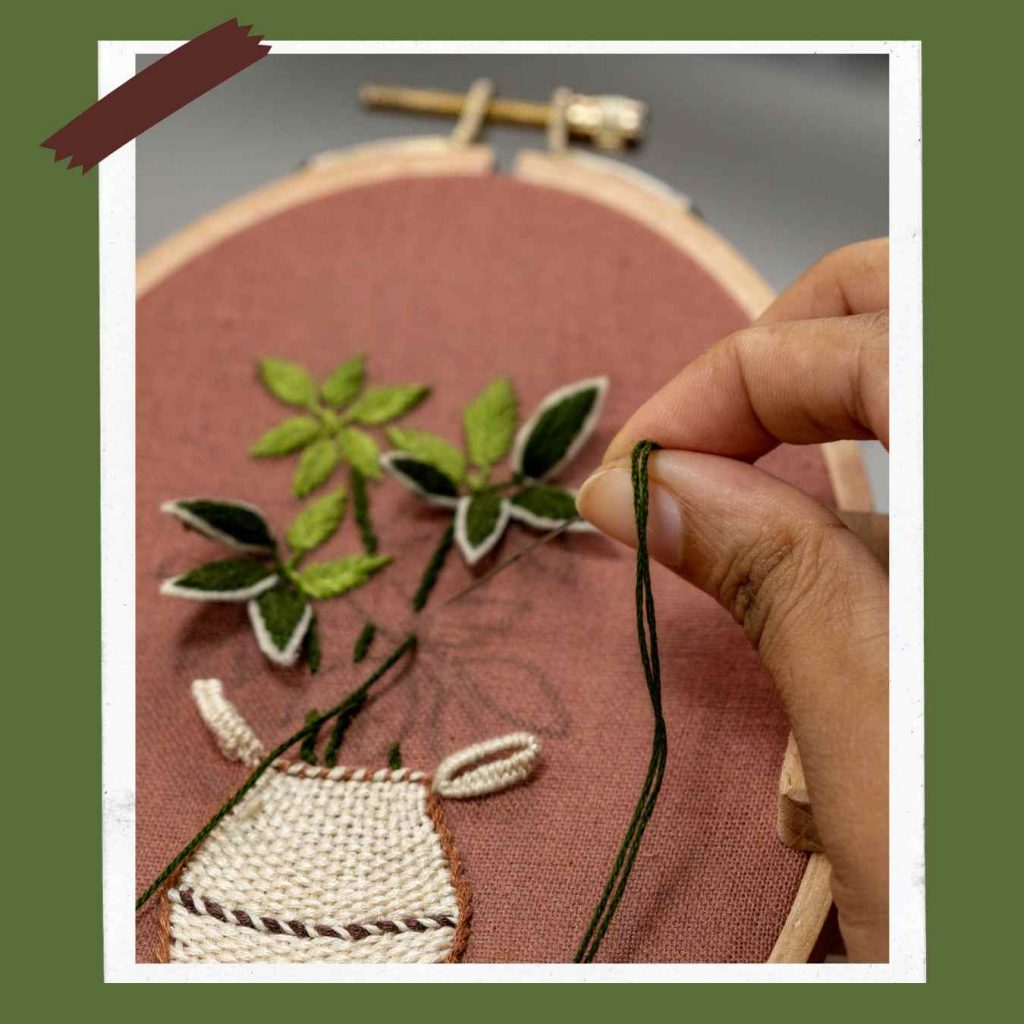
(277, 590)
(437, 471)
(330, 430)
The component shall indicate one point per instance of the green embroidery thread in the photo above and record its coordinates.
(647, 638)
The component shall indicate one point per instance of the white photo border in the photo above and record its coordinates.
(117, 63)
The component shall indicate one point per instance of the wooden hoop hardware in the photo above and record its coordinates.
(642, 199)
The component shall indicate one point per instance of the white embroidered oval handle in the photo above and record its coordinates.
(472, 772)
(236, 740)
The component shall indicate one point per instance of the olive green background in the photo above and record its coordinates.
(51, 895)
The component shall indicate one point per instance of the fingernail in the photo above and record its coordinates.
(606, 501)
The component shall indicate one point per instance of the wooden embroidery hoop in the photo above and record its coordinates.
(649, 203)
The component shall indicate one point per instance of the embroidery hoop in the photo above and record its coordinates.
(651, 204)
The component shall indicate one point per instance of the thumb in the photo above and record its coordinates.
(814, 603)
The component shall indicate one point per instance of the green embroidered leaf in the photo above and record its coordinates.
(490, 423)
(395, 757)
(280, 619)
(230, 579)
(431, 449)
(235, 523)
(425, 480)
(315, 465)
(380, 405)
(480, 520)
(290, 382)
(360, 451)
(559, 428)
(317, 521)
(331, 579)
(345, 381)
(287, 437)
(542, 506)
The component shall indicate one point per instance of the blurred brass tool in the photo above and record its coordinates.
(610, 122)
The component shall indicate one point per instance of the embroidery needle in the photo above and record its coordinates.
(502, 566)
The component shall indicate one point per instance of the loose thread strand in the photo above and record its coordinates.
(236, 798)
(647, 640)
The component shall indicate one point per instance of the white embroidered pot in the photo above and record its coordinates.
(332, 865)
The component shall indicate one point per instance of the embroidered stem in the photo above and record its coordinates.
(353, 705)
(647, 637)
(308, 749)
(408, 644)
(395, 756)
(433, 569)
(363, 641)
(361, 511)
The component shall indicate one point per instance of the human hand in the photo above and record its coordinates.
(813, 600)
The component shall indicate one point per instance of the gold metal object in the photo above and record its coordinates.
(610, 122)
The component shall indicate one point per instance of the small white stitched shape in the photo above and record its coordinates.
(237, 742)
(469, 772)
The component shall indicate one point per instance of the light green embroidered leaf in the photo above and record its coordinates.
(235, 523)
(380, 405)
(317, 521)
(287, 437)
(559, 428)
(543, 506)
(331, 579)
(315, 465)
(360, 451)
(288, 381)
(429, 448)
(230, 579)
(345, 381)
(425, 480)
(280, 619)
(490, 423)
(480, 520)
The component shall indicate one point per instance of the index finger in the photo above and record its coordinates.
(823, 377)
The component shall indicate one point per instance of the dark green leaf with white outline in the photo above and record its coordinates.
(559, 428)
(280, 619)
(480, 520)
(229, 579)
(543, 507)
(235, 523)
(425, 480)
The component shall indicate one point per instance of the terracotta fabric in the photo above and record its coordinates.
(453, 281)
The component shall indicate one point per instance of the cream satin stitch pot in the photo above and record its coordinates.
(332, 865)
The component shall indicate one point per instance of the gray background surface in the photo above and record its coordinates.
(787, 156)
